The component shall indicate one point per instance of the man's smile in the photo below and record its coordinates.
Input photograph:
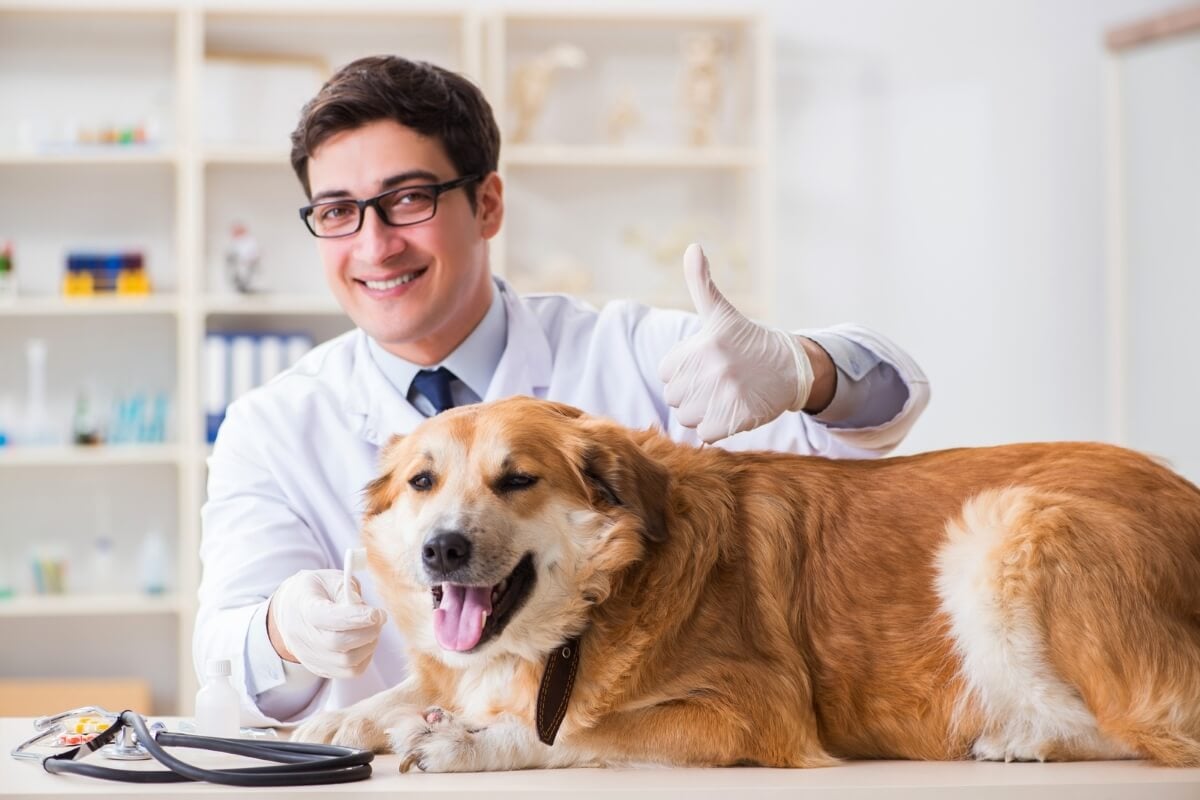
(391, 287)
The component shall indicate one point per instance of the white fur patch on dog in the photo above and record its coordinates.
(1029, 710)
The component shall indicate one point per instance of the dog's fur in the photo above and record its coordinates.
(1037, 601)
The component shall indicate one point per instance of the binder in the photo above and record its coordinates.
(216, 383)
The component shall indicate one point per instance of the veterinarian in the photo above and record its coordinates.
(398, 160)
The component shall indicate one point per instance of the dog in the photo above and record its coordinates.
(575, 593)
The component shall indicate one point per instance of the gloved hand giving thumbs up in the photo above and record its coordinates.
(734, 374)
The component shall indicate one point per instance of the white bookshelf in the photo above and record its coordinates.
(47, 306)
(614, 212)
(89, 605)
(109, 155)
(90, 455)
(690, 158)
(245, 155)
(223, 83)
(272, 305)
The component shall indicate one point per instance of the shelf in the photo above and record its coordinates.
(632, 157)
(83, 605)
(247, 155)
(565, 14)
(86, 456)
(219, 84)
(747, 303)
(547, 156)
(96, 156)
(30, 306)
(272, 304)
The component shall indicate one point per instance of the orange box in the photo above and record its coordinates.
(20, 697)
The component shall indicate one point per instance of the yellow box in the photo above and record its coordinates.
(78, 284)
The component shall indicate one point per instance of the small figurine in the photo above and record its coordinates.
(701, 86)
(623, 115)
(241, 258)
(532, 82)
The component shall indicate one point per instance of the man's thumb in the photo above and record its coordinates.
(706, 297)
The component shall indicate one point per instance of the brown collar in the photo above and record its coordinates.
(555, 691)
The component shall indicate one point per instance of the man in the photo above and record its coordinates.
(399, 162)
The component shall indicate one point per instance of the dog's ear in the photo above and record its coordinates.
(381, 492)
(621, 474)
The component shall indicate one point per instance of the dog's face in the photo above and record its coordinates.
(495, 527)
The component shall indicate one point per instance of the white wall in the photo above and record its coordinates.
(942, 169)
(1160, 129)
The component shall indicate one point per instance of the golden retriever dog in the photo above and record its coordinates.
(690, 606)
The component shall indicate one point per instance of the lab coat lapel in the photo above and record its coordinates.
(526, 365)
(524, 369)
(370, 396)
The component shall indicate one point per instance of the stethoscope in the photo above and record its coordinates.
(128, 737)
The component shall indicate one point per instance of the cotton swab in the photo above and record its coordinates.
(355, 559)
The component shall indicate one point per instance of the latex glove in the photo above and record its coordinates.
(329, 638)
(733, 374)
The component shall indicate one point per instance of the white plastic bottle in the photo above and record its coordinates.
(152, 563)
(217, 707)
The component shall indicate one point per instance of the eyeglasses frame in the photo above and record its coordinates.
(438, 190)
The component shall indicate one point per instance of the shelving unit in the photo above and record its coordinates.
(595, 211)
(221, 157)
(88, 605)
(155, 304)
(90, 456)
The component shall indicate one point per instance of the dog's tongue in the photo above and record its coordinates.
(458, 619)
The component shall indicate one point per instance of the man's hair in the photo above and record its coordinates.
(430, 100)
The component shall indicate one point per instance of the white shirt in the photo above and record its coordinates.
(291, 458)
(473, 362)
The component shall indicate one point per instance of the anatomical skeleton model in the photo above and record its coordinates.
(532, 82)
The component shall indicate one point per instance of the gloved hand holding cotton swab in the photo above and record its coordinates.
(323, 622)
(354, 560)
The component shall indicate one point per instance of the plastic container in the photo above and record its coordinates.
(102, 571)
(218, 710)
(153, 563)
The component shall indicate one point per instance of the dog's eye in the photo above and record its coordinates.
(515, 481)
(422, 481)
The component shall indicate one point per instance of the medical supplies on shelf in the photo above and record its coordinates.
(235, 363)
(49, 564)
(121, 273)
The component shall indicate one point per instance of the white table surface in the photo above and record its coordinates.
(1113, 780)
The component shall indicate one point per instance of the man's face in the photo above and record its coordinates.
(418, 290)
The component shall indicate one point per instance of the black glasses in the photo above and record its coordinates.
(407, 205)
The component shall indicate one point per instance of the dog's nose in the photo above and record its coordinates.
(445, 552)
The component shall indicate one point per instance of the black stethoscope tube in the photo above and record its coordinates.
(302, 764)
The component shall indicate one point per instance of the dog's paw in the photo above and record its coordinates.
(435, 741)
(345, 728)
(997, 747)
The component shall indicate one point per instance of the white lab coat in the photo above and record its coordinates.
(292, 457)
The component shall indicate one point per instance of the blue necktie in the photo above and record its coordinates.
(434, 385)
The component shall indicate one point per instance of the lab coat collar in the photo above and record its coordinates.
(527, 363)
(524, 368)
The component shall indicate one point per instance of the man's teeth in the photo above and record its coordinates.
(394, 282)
